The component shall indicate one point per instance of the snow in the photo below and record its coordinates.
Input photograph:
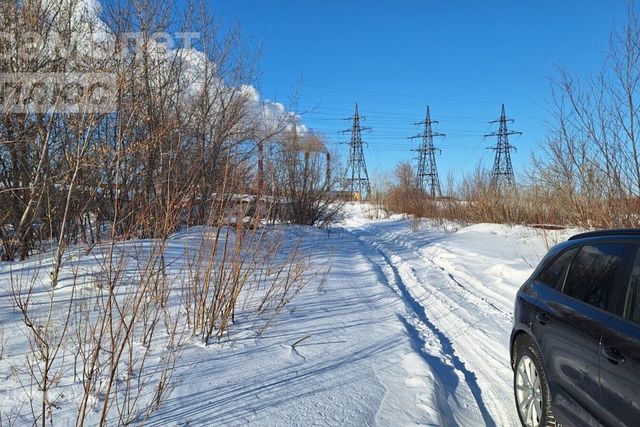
(407, 327)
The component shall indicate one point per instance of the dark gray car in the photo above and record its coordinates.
(575, 345)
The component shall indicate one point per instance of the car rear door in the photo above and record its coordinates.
(569, 327)
(620, 359)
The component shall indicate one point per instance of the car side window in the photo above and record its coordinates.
(553, 275)
(632, 306)
(594, 270)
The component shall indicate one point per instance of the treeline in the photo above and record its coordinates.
(172, 133)
(128, 121)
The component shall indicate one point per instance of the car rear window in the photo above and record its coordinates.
(593, 272)
(553, 274)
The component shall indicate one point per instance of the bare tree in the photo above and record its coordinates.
(304, 179)
(175, 149)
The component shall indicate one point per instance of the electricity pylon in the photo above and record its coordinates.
(427, 174)
(356, 178)
(502, 169)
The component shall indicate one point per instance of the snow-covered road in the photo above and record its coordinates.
(409, 327)
(462, 334)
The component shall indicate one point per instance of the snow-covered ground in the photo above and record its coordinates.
(408, 327)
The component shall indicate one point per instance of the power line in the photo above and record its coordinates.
(357, 90)
(380, 115)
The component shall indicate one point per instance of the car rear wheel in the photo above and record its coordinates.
(531, 388)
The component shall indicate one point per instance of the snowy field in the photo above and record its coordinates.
(409, 326)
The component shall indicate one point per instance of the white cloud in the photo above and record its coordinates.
(272, 115)
(95, 39)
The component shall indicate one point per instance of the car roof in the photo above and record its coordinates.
(627, 232)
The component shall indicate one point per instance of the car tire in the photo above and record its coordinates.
(531, 388)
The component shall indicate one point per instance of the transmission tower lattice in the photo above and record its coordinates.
(356, 178)
(502, 169)
(427, 174)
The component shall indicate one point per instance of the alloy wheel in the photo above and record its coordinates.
(528, 392)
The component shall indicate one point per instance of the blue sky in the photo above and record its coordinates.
(463, 58)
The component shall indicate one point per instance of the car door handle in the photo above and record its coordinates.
(543, 318)
(613, 354)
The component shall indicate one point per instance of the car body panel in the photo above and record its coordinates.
(569, 342)
(620, 379)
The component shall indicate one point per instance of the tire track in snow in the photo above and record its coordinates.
(459, 283)
(406, 243)
(439, 365)
(388, 277)
(419, 377)
(479, 337)
(477, 328)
